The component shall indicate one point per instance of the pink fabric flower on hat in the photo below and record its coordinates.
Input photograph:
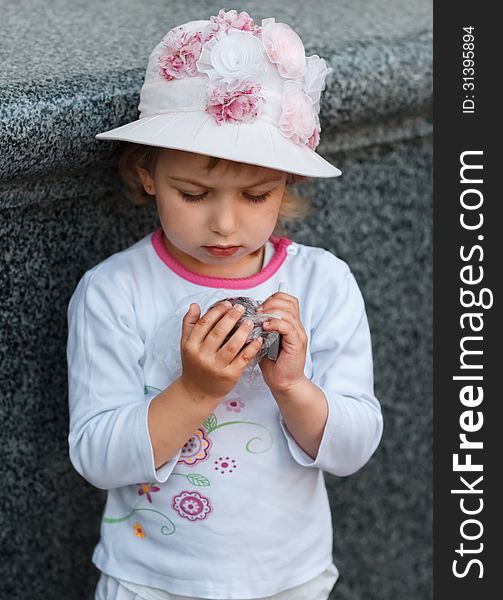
(298, 117)
(232, 20)
(182, 52)
(284, 48)
(236, 106)
(314, 138)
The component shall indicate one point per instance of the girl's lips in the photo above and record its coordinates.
(216, 251)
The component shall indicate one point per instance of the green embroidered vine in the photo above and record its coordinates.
(165, 530)
(211, 424)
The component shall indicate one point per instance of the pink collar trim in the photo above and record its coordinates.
(235, 283)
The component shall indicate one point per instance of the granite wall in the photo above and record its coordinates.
(62, 211)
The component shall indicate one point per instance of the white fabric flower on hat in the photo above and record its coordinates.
(284, 48)
(298, 117)
(233, 57)
(314, 78)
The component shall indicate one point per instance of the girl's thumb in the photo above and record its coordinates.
(190, 319)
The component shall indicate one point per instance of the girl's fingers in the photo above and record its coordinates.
(283, 326)
(234, 344)
(280, 325)
(284, 296)
(247, 353)
(280, 300)
(189, 320)
(278, 306)
(285, 316)
(223, 326)
(199, 330)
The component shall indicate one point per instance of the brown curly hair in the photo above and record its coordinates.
(293, 207)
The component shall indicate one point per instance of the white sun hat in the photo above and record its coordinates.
(229, 88)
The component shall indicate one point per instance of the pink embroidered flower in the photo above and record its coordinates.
(233, 20)
(192, 506)
(285, 48)
(195, 449)
(146, 488)
(225, 465)
(182, 52)
(234, 405)
(298, 116)
(238, 106)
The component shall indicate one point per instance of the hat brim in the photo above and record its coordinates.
(258, 143)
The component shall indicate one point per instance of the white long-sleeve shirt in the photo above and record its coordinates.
(241, 511)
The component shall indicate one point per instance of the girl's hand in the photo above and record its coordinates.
(209, 370)
(288, 370)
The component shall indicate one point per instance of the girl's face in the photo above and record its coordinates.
(233, 205)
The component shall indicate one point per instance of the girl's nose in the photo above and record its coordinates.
(224, 218)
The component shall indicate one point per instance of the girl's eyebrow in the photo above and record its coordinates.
(202, 184)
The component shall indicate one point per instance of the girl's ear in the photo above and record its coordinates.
(146, 180)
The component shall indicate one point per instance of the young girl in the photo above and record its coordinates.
(215, 480)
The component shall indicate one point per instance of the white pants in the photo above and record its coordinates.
(319, 588)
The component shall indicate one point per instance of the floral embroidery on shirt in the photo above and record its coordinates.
(138, 530)
(194, 478)
(165, 529)
(234, 405)
(146, 488)
(192, 506)
(225, 465)
(196, 448)
(211, 424)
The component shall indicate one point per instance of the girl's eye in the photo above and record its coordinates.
(198, 198)
(190, 198)
(261, 198)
